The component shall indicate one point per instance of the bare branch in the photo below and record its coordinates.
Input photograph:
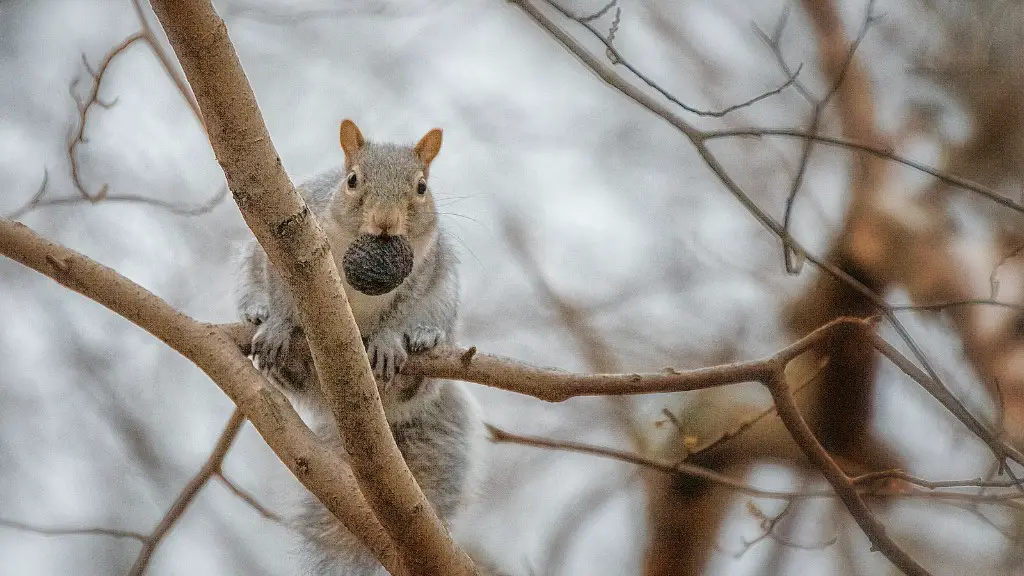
(698, 139)
(91, 98)
(860, 146)
(248, 498)
(617, 59)
(84, 105)
(67, 531)
(793, 261)
(188, 493)
(871, 485)
(37, 202)
(768, 525)
(318, 467)
(297, 248)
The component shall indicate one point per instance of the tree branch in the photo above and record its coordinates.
(698, 139)
(188, 493)
(298, 249)
(55, 531)
(320, 469)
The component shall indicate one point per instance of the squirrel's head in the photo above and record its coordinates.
(385, 186)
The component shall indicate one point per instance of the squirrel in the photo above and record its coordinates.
(382, 189)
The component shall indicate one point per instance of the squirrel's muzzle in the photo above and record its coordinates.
(384, 221)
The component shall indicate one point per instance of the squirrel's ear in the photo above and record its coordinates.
(428, 146)
(351, 138)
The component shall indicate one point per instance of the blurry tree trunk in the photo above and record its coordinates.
(685, 516)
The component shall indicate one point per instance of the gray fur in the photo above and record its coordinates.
(436, 423)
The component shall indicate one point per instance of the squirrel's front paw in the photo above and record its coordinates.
(271, 342)
(423, 338)
(386, 354)
(256, 314)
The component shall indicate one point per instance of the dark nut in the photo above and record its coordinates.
(376, 265)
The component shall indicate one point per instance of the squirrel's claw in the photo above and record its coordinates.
(423, 338)
(270, 345)
(256, 314)
(386, 355)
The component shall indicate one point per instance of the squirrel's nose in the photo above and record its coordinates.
(384, 223)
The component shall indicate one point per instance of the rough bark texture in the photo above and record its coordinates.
(320, 470)
(298, 248)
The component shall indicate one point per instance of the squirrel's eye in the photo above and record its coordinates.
(421, 187)
(353, 180)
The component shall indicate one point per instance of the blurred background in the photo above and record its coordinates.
(592, 238)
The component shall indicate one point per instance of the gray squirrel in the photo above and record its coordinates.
(382, 189)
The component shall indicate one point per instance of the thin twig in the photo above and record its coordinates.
(768, 526)
(189, 493)
(859, 146)
(866, 485)
(698, 139)
(181, 210)
(792, 260)
(618, 59)
(92, 98)
(69, 531)
(247, 497)
(84, 105)
(774, 43)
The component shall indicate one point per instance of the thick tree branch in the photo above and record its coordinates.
(318, 467)
(297, 247)
(554, 385)
(217, 351)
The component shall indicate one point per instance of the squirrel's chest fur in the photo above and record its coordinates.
(367, 309)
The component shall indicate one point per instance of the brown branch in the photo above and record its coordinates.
(499, 436)
(868, 148)
(188, 493)
(167, 62)
(86, 104)
(768, 526)
(147, 35)
(247, 498)
(298, 249)
(866, 485)
(92, 98)
(792, 263)
(771, 373)
(55, 531)
(698, 139)
(617, 58)
(37, 202)
(318, 467)
(790, 415)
